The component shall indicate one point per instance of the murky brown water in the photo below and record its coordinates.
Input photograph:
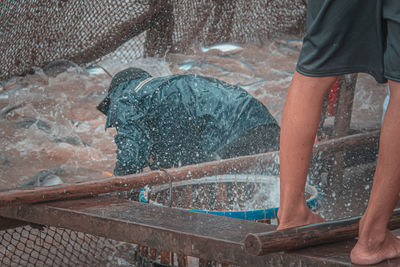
(51, 122)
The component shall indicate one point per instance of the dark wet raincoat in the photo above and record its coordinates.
(182, 119)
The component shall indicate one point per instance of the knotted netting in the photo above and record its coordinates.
(34, 33)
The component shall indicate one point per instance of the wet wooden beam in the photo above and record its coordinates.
(310, 235)
(205, 236)
(6, 223)
(347, 87)
(199, 235)
(334, 254)
(350, 141)
(254, 163)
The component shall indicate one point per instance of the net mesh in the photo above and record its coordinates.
(242, 21)
(50, 246)
(35, 33)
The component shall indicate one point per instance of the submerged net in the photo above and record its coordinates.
(35, 33)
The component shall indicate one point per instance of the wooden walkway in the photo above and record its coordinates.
(193, 234)
(204, 236)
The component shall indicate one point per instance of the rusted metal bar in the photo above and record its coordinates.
(136, 181)
(299, 237)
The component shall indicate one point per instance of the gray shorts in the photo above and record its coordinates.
(349, 36)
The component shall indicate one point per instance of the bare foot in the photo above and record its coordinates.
(308, 217)
(365, 253)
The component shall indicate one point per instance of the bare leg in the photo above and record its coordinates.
(300, 120)
(375, 242)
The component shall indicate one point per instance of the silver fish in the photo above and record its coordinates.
(7, 109)
(27, 122)
(187, 65)
(224, 47)
(97, 70)
(44, 178)
(59, 66)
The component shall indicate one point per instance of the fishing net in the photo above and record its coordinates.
(50, 246)
(35, 33)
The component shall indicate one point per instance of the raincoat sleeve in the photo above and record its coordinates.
(133, 136)
(133, 149)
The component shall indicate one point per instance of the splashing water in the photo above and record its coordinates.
(50, 121)
(230, 192)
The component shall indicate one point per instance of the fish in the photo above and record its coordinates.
(97, 95)
(246, 64)
(223, 47)
(295, 45)
(72, 140)
(11, 83)
(283, 72)
(6, 110)
(27, 122)
(97, 70)
(249, 85)
(187, 65)
(201, 64)
(4, 94)
(47, 177)
(85, 143)
(56, 67)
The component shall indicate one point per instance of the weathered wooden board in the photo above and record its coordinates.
(6, 223)
(189, 233)
(200, 235)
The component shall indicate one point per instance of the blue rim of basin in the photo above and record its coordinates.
(257, 214)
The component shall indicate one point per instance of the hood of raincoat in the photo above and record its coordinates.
(121, 77)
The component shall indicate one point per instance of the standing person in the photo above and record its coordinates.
(344, 37)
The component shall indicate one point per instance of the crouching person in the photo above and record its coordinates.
(183, 119)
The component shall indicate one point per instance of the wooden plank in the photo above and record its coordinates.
(133, 222)
(308, 235)
(350, 141)
(334, 254)
(6, 223)
(347, 88)
(184, 232)
(258, 162)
